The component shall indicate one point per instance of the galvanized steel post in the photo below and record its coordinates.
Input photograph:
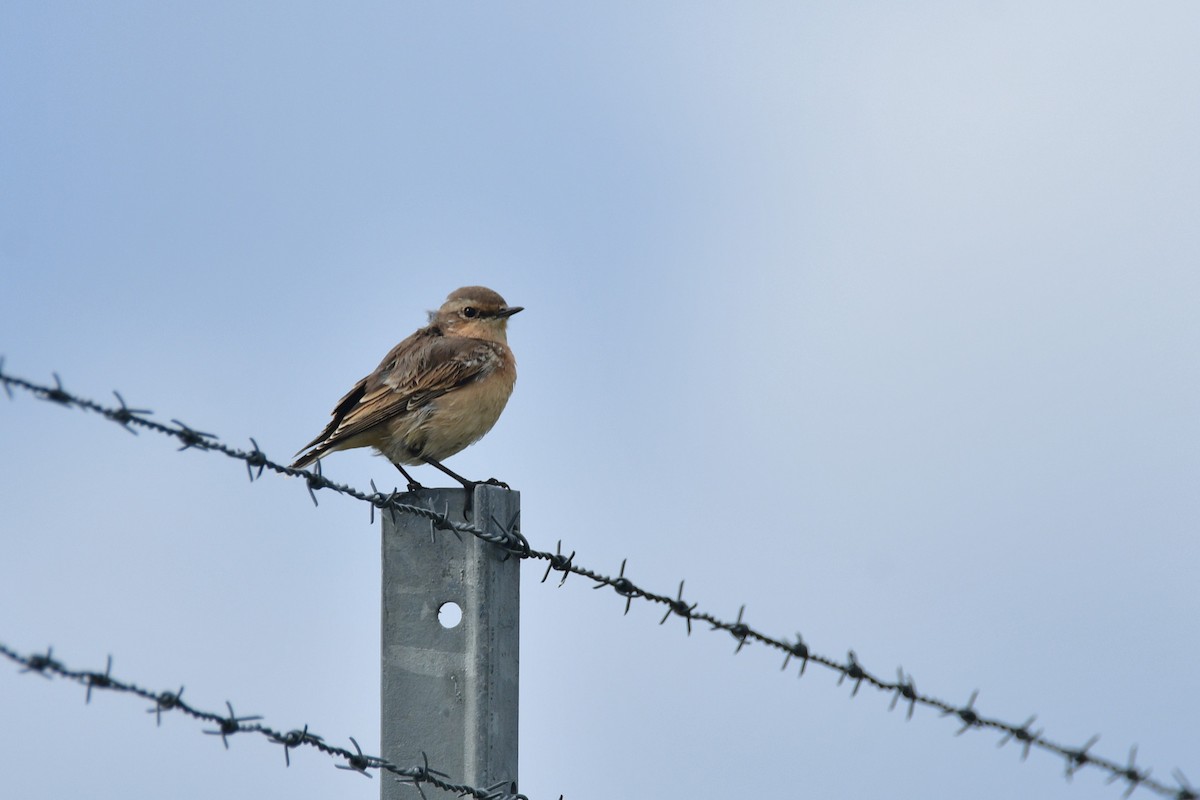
(450, 692)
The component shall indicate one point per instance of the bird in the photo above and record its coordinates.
(437, 392)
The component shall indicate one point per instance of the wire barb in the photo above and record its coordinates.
(256, 458)
(559, 562)
(98, 680)
(295, 738)
(854, 671)
(192, 437)
(229, 725)
(738, 630)
(1130, 773)
(622, 586)
(1080, 757)
(124, 415)
(904, 688)
(358, 762)
(798, 650)
(970, 718)
(1186, 790)
(679, 607)
(315, 480)
(510, 537)
(58, 394)
(165, 702)
(1022, 735)
(42, 665)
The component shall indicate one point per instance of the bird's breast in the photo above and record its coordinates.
(458, 418)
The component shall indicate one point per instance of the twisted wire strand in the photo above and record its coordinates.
(229, 724)
(510, 539)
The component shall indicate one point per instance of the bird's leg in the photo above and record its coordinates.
(467, 484)
(412, 485)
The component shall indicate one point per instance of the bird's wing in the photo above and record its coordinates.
(419, 369)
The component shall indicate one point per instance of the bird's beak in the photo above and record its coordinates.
(508, 312)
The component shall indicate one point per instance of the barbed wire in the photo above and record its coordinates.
(47, 665)
(511, 540)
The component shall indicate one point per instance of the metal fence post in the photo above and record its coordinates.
(450, 693)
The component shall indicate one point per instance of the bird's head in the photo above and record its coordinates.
(475, 312)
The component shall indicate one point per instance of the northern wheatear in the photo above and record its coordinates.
(436, 392)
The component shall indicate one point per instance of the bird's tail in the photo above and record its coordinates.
(310, 455)
(303, 461)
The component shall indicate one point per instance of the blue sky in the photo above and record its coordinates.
(878, 319)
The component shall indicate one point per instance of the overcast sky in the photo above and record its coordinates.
(880, 319)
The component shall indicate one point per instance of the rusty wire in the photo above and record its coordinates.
(510, 539)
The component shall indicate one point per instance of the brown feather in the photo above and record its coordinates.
(423, 367)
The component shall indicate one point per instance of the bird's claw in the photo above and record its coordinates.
(497, 482)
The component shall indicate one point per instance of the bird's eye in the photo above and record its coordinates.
(470, 311)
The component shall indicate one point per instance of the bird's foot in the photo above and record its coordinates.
(413, 486)
(469, 486)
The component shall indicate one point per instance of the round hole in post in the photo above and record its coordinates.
(449, 614)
